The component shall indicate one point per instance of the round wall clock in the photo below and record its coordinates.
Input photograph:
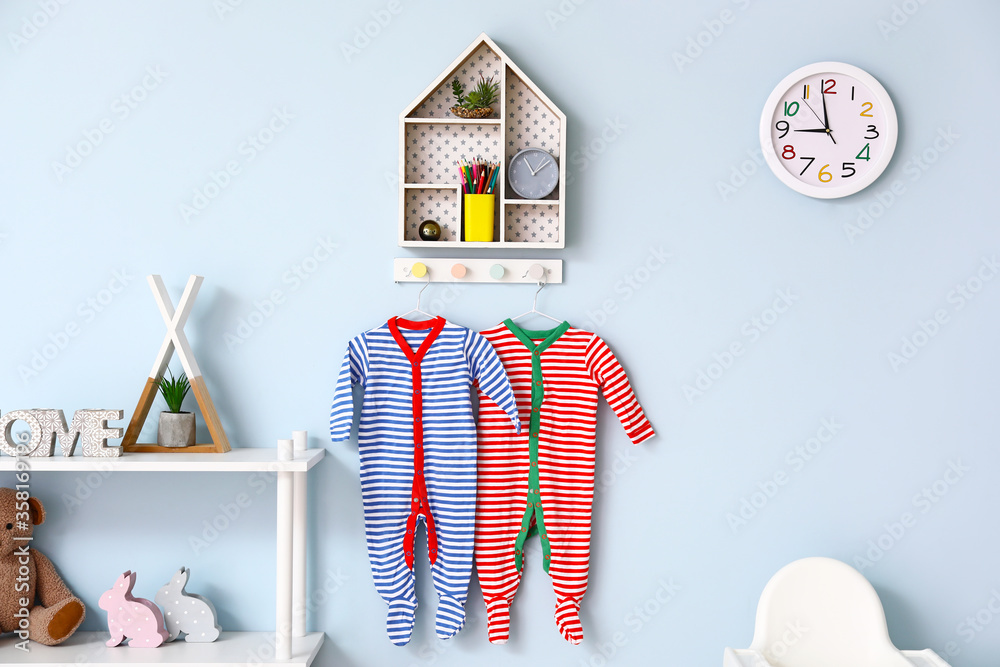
(828, 130)
(533, 173)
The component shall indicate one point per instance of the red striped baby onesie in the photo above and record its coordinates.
(542, 480)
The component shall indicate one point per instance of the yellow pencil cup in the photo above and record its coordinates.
(479, 217)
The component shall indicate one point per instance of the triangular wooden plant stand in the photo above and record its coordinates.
(176, 340)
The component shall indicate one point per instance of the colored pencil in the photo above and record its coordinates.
(478, 176)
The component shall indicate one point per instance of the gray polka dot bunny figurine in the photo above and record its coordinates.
(185, 613)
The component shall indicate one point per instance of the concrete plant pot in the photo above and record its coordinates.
(176, 429)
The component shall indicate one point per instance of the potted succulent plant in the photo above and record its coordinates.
(480, 100)
(176, 428)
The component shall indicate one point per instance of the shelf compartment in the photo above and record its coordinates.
(533, 223)
(530, 123)
(440, 204)
(481, 62)
(231, 649)
(432, 149)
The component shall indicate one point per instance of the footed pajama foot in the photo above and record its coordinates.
(498, 620)
(568, 620)
(450, 617)
(399, 621)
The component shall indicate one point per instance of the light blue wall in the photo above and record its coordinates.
(661, 511)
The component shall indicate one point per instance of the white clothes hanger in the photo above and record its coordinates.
(417, 310)
(534, 302)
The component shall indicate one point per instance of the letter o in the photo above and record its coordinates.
(7, 443)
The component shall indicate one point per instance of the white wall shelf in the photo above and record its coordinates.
(431, 140)
(290, 644)
(454, 120)
(240, 459)
(231, 649)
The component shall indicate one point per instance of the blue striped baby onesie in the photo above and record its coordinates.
(417, 443)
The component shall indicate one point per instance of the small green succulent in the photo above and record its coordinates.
(459, 91)
(174, 390)
(483, 96)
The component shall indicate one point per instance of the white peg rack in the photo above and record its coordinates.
(443, 270)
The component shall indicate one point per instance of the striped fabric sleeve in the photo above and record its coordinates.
(352, 371)
(490, 376)
(610, 376)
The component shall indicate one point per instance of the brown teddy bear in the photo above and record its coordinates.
(34, 601)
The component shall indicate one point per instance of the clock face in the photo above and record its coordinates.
(828, 130)
(533, 173)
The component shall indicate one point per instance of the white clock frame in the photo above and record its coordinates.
(890, 131)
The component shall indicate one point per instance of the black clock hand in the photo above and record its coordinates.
(826, 119)
(825, 128)
(818, 129)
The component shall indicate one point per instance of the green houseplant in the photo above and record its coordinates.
(176, 428)
(480, 100)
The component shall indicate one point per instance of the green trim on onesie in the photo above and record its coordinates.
(534, 505)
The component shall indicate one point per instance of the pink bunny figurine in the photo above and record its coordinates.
(138, 619)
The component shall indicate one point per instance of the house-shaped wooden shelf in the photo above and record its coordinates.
(432, 139)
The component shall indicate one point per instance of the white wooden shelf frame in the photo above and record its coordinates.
(431, 159)
(289, 644)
